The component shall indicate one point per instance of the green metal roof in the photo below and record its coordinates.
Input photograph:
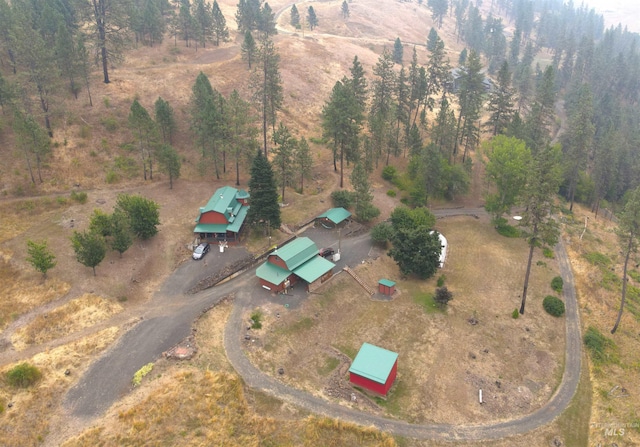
(373, 363)
(313, 269)
(238, 220)
(387, 282)
(272, 273)
(221, 200)
(210, 228)
(296, 252)
(336, 215)
(242, 194)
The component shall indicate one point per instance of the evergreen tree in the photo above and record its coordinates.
(438, 10)
(283, 153)
(402, 110)
(542, 185)
(109, 31)
(381, 112)
(364, 208)
(345, 9)
(358, 84)
(312, 19)
(303, 161)
(219, 25)
(264, 207)
(145, 133)
(628, 231)
(203, 22)
(165, 119)
(539, 120)
(267, 21)
(241, 131)
(185, 21)
(398, 51)
(90, 248)
(40, 257)
(470, 98)
(32, 139)
(169, 162)
(84, 69)
(501, 103)
(65, 52)
(266, 85)
(248, 48)
(295, 17)
(578, 143)
(437, 73)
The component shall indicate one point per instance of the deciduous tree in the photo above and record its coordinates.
(143, 214)
(90, 248)
(40, 257)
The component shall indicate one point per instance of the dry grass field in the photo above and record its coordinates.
(66, 321)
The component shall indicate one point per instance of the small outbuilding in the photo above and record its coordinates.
(374, 369)
(333, 217)
(386, 287)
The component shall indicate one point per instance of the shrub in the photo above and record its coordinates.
(547, 253)
(597, 344)
(256, 319)
(597, 259)
(441, 279)
(443, 296)
(137, 377)
(343, 198)
(557, 284)
(515, 314)
(85, 132)
(634, 274)
(391, 193)
(80, 197)
(111, 177)
(389, 173)
(504, 229)
(367, 213)
(23, 375)
(553, 305)
(110, 123)
(381, 232)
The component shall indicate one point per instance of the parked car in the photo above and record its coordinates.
(201, 250)
(326, 252)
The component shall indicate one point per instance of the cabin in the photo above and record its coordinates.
(296, 262)
(374, 369)
(222, 218)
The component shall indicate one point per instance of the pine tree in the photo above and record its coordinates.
(65, 52)
(248, 48)
(438, 10)
(263, 194)
(381, 114)
(501, 102)
(303, 161)
(283, 152)
(185, 21)
(266, 85)
(364, 208)
(241, 131)
(267, 21)
(542, 185)
(169, 162)
(84, 69)
(345, 9)
(219, 24)
(295, 17)
(203, 21)
(470, 98)
(109, 31)
(145, 133)
(398, 51)
(539, 120)
(312, 19)
(32, 139)
(165, 119)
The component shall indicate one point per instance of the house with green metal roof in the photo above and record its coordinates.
(374, 368)
(296, 262)
(222, 218)
(333, 217)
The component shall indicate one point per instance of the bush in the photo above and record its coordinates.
(515, 314)
(137, 377)
(109, 123)
(557, 284)
(597, 259)
(343, 198)
(23, 375)
(547, 253)
(80, 197)
(506, 230)
(391, 193)
(367, 213)
(553, 305)
(256, 319)
(389, 173)
(597, 344)
(442, 296)
(381, 233)
(441, 279)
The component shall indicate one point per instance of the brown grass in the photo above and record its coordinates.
(437, 379)
(33, 410)
(77, 314)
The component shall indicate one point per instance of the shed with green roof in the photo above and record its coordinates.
(386, 287)
(374, 368)
(333, 217)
